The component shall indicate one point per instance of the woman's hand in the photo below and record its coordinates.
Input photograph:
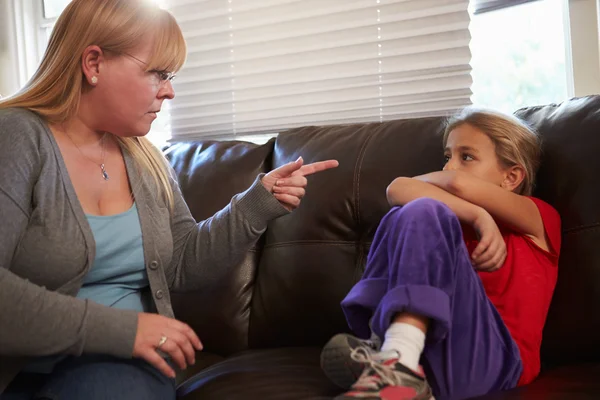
(490, 253)
(181, 343)
(288, 182)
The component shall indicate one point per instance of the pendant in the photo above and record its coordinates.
(104, 174)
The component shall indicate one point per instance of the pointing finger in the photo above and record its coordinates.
(289, 168)
(317, 167)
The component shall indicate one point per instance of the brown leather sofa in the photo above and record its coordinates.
(263, 321)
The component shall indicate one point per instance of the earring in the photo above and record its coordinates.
(94, 80)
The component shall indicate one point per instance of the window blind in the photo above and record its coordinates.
(268, 65)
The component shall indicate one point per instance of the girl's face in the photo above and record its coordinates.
(472, 151)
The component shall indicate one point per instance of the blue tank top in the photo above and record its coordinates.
(118, 275)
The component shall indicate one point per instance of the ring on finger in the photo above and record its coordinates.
(163, 340)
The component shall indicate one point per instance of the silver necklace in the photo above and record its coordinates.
(101, 165)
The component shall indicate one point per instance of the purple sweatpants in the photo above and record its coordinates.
(418, 262)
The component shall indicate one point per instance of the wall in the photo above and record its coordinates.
(585, 49)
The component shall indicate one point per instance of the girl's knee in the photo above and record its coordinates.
(426, 204)
(421, 209)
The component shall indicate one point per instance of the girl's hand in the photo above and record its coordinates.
(288, 182)
(490, 253)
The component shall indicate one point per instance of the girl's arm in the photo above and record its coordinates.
(490, 253)
(510, 209)
(404, 190)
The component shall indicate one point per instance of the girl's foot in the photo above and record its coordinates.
(336, 360)
(386, 379)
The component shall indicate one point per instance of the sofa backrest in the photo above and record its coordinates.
(209, 174)
(287, 291)
(313, 256)
(569, 179)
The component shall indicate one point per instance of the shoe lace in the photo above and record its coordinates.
(371, 344)
(375, 370)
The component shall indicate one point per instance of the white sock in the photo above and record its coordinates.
(406, 339)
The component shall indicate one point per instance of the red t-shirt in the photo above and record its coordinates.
(521, 290)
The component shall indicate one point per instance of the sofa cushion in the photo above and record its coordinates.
(278, 374)
(577, 382)
(204, 360)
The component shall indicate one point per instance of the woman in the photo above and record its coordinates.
(95, 230)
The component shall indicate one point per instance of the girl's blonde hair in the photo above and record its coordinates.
(515, 142)
(117, 26)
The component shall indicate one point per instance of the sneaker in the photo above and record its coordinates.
(386, 380)
(336, 360)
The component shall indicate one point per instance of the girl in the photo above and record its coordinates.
(459, 277)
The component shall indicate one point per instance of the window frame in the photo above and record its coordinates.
(484, 6)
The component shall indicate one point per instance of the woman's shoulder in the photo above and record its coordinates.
(21, 129)
(14, 118)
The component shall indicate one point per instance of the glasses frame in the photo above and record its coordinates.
(163, 76)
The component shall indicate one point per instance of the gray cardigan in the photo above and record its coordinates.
(47, 247)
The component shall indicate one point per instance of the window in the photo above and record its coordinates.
(47, 15)
(50, 11)
(53, 8)
(255, 68)
(263, 66)
(268, 65)
(519, 58)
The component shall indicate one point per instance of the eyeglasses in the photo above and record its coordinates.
(163, 76)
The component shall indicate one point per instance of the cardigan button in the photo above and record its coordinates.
(154, 264)
(159, 294)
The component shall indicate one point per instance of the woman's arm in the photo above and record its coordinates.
(224, 239)
(202, 249)
(510, 209)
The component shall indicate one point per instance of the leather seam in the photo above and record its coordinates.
(358, 169)
(359, 163)
(581, 229)
(313, 243)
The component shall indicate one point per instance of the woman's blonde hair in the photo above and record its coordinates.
(514, 141)
(117, 26)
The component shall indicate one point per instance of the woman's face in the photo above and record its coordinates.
(126, 98)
